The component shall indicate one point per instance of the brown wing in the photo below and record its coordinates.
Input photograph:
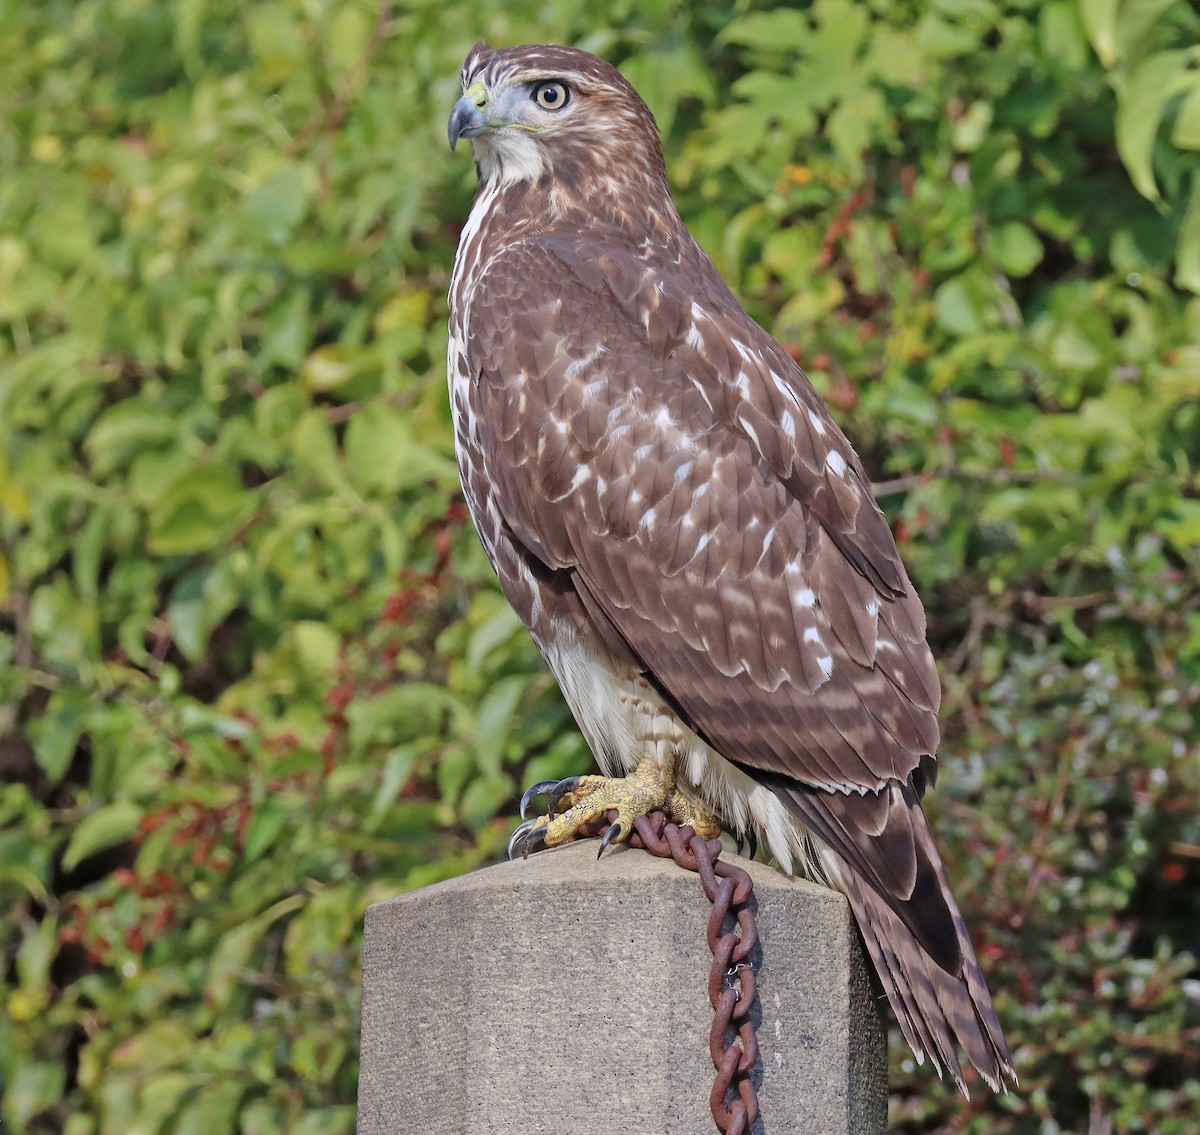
(718, 523)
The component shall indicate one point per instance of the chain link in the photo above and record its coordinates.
(732, 980)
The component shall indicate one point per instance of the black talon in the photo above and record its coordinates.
(613, 832)
(527, 836)
(518, 834)
(752, 840)
(553, 790)
(555, 794)
(534, 791)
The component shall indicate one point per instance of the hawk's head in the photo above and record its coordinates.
(542, 110)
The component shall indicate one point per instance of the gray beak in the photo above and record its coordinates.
(466, 121)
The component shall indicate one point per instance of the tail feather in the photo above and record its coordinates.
(889, 869)
(934, 1008)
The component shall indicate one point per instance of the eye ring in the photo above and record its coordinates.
(552, 96)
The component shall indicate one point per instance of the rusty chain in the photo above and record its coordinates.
(732, 981)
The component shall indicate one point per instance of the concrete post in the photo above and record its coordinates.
(565, 995)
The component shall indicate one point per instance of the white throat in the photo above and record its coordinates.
(509, 156)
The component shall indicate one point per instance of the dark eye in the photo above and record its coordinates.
(551, 96)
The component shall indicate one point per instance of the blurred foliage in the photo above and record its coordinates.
(254, 671)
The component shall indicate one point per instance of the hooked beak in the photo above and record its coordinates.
(467, 119)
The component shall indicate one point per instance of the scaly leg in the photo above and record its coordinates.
(580, 799)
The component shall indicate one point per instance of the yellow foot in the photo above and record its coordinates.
(579, 800)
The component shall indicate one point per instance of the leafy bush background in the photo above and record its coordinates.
(254, 672)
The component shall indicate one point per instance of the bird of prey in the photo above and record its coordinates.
(689, 536)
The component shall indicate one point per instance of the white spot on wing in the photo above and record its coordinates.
(581, 364)
(785, 388)
(835, 463)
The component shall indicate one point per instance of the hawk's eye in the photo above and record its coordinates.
(551, 96)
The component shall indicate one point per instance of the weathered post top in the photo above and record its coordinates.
(561, 994)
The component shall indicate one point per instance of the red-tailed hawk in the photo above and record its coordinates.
(689, 537)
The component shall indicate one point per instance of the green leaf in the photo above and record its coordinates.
(379, 445)
(780, 30)
(196, 513)
(326, 1121)
(1062, 34)
(852, 125)
(1186, 132)
(400, 713)
(959, 306)
(106, 826)
(56, 732)
(940, 39)
(1187, 263)
(1142, 98)
(482, 798)
(323, 926)
(348, 38)
(232, 955)
(315, 448)
(499, 628)
(397, 767)
(327, 368)
(34, 959)
(275, 208)
(1182, 526)
(212, 1110)
(1137, 23)
(971, 129)
(1016, 248)
(318, 646)
(494, 721)
(268, 821)
(32, 1089)
(128, 428)
(1100, 23)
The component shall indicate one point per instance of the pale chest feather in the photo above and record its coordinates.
(469, 263)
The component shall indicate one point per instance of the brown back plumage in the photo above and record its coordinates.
(650, 472)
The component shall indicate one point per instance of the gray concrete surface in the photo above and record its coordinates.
(561, 994)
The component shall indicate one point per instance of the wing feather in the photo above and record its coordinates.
(666, 451)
